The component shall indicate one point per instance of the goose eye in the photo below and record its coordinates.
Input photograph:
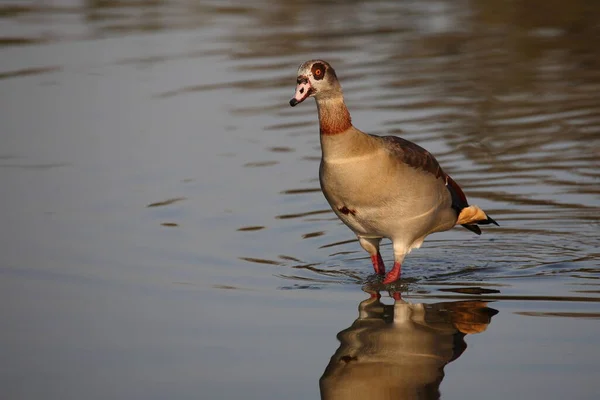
(318, 71)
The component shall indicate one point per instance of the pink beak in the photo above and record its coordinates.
(303, 90)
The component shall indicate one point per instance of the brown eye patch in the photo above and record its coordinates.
(318, 71)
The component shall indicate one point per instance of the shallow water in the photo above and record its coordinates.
(164, 235)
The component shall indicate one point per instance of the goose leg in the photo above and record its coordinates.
(371, 245)
(394, 274)
(400, 252)
(378, 265)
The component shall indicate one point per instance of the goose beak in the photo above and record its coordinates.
(303, 90)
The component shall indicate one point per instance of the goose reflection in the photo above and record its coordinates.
(399, 351)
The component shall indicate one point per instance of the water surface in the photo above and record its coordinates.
(164, 235)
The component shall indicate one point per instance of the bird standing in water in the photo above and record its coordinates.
(380, 186)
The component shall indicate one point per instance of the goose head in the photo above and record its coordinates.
(316, 78)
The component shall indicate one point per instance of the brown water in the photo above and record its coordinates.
(164, 235)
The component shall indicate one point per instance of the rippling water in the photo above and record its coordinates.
(165, 236)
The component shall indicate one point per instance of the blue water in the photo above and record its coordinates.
(164, 235)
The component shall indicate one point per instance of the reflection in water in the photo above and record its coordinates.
(399, 351)
(166, 202)
(28, 72)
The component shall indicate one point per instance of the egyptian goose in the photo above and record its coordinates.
(380, 186)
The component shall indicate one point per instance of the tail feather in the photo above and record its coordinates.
(468, 216)
(472, 216)
(489, 220)
(472, 228)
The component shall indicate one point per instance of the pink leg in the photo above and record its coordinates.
(378, 264)
(394, 274)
